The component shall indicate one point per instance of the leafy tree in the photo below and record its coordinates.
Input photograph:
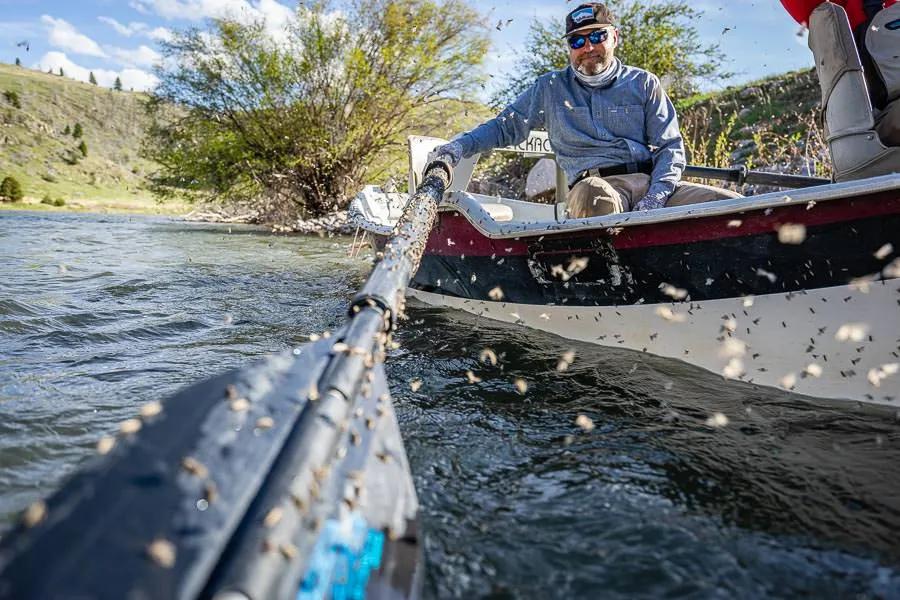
(660, 37)
(302, 120)
(13, 98)
(117, 85)
(78, 131)
(91, 78)
(11, 190)
(82, 147)
(61, 72)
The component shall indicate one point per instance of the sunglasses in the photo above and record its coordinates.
(597, 36)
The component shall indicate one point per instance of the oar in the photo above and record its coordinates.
(286, 478)
(741, 175)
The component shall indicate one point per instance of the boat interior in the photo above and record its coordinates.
(862, 164)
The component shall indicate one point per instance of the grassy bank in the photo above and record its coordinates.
(770, 124)
(63, 139)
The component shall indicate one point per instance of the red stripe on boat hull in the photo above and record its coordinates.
(454, 235)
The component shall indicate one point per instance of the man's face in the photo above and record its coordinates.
(593, 59)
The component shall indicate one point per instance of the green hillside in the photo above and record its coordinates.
(36, 150)
(771, 124)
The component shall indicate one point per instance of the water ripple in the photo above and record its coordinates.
(793, 498)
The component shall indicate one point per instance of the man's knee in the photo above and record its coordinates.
(594, 197)
(695, 193)
(888, 124)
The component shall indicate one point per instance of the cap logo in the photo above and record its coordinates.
(583, 14)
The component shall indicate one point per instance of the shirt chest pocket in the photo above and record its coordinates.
(576, 121)
(626, 120)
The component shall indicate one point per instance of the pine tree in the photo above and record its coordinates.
(67, 130)
(92, 79)
(18, 62)
(78, 131)
(61, 72)
(11, 190)
(118, 85)
(83, 148)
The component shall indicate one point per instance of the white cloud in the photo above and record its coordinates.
(63, 35)
(275, 14)
(142, 56)
(131, 78)
(138, 80)
(160, 34)
(126, 30)
(194, 10)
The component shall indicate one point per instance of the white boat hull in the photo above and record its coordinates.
(790, 341)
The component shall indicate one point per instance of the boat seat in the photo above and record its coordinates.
(856, 150)
(498, 212)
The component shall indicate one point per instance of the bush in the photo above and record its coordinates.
(305, 121)
(59, 202)
(78, 131)
(47, 199)
(11, 190)
(13, 98)
(67, 130)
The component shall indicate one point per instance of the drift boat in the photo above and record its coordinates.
(797, 290)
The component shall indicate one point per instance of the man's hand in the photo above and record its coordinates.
(650, 202)
(451, 150)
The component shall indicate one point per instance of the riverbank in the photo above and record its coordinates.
(336, 223)
(124, 206)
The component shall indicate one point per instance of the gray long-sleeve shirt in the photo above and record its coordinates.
(629, 120)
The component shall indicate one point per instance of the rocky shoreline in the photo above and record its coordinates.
(336, 223)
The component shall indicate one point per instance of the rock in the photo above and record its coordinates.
(745, 112)
(334, 224)
(541, 178)
(741, 154)
(751, 92)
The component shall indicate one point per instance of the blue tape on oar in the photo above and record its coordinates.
(345, 555)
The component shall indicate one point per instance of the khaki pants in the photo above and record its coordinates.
(596, 196)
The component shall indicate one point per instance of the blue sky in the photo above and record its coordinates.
(118, 38)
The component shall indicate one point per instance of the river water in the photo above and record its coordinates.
(100, 314)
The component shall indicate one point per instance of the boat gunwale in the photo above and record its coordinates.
(469, 205)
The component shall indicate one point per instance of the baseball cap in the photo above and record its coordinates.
(592, 15)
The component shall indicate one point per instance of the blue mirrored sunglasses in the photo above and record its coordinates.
(597, 36)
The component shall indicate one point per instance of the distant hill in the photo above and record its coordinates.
(35, 148)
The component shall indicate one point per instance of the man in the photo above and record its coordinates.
(612, 127)
(876, 28)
